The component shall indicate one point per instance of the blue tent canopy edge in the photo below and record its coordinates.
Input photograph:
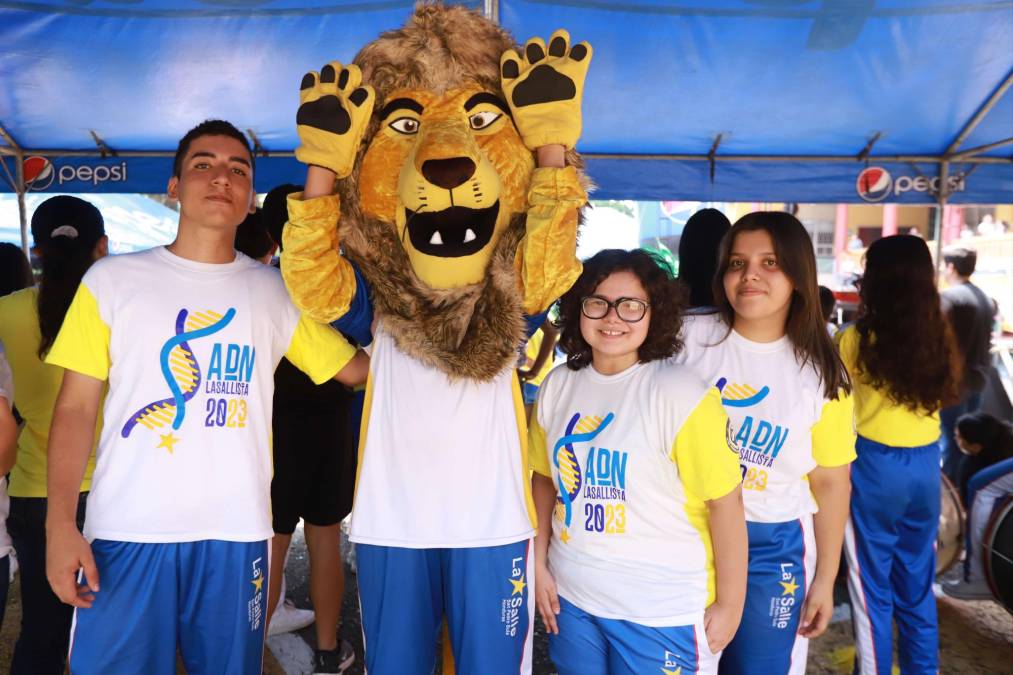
(721, 100)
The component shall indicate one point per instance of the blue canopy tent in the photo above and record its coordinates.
(712, 100)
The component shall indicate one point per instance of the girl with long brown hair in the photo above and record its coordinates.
(787, 396)
(69, 235)
(902, 358)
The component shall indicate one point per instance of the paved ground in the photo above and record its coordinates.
(976, 637)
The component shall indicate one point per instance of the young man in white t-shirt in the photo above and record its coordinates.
(187, 337)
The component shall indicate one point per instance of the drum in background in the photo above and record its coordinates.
(950, 538)
(998, 554)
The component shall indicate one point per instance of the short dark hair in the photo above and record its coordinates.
(827, 302)
(994, 435)
(252, 238)
(275, 210)
(962, 258)
(209, 128)
(666, 295)
(698, 254)
(15, 270)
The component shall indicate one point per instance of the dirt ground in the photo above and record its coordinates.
(976, 638)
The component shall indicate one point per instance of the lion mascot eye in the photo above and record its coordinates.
(482, 120)
(405, 125)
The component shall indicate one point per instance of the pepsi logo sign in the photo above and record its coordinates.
(39, 173)
(874, 184)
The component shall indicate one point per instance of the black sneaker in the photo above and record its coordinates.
(335, 661)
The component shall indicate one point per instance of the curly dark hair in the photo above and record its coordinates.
(666, 295)
(906, 347)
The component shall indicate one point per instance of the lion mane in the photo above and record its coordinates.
(474, 331)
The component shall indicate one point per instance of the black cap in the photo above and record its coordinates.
(67, 219)
(276, 209)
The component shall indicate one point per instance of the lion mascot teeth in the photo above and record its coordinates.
(438, 200)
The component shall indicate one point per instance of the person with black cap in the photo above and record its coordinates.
(69, 235)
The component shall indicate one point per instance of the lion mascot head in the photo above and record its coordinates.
(434, 209)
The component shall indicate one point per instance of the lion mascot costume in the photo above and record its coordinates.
(438, 224)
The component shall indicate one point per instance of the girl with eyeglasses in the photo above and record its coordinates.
(787, 396)
(640, 556)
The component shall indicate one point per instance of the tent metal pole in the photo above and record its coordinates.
(941, 196)
(985, 108)
(970, 152)
(19, 183)
(19, 186)
(921, 159)
(491, 10)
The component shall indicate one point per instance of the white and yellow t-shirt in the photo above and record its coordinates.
(876, 416)
(781, 423)
(442, 462)
(189, 350)
(634, 457)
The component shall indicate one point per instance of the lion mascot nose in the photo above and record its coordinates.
(448, 173)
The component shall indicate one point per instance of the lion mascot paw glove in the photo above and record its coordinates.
(442, 227)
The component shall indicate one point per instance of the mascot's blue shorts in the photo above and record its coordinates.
(484, 593)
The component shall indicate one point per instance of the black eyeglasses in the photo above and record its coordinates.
(627, 309)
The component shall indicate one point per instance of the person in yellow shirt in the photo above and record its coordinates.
(69, 235)
(904, 364)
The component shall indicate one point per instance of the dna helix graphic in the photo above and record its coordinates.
(565, 459)
(740, 395)
(180, 369)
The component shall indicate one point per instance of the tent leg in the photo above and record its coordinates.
(941, 196)
(19, 187)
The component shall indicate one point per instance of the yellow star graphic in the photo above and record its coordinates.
(168, 440)
(258, 582)
(677, 671)
(565, 536)
(789, 587)
(519, 585)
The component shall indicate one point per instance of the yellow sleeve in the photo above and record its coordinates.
(82, 344)
(538, 448)
(833, 435)
(320, 281)
(708, 463)
(318, 350)
(847, 345)
(546, 260)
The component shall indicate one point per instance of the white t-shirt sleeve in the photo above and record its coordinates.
(6, 378)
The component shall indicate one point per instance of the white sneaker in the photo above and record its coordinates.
(287, 618)
(968, 591)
